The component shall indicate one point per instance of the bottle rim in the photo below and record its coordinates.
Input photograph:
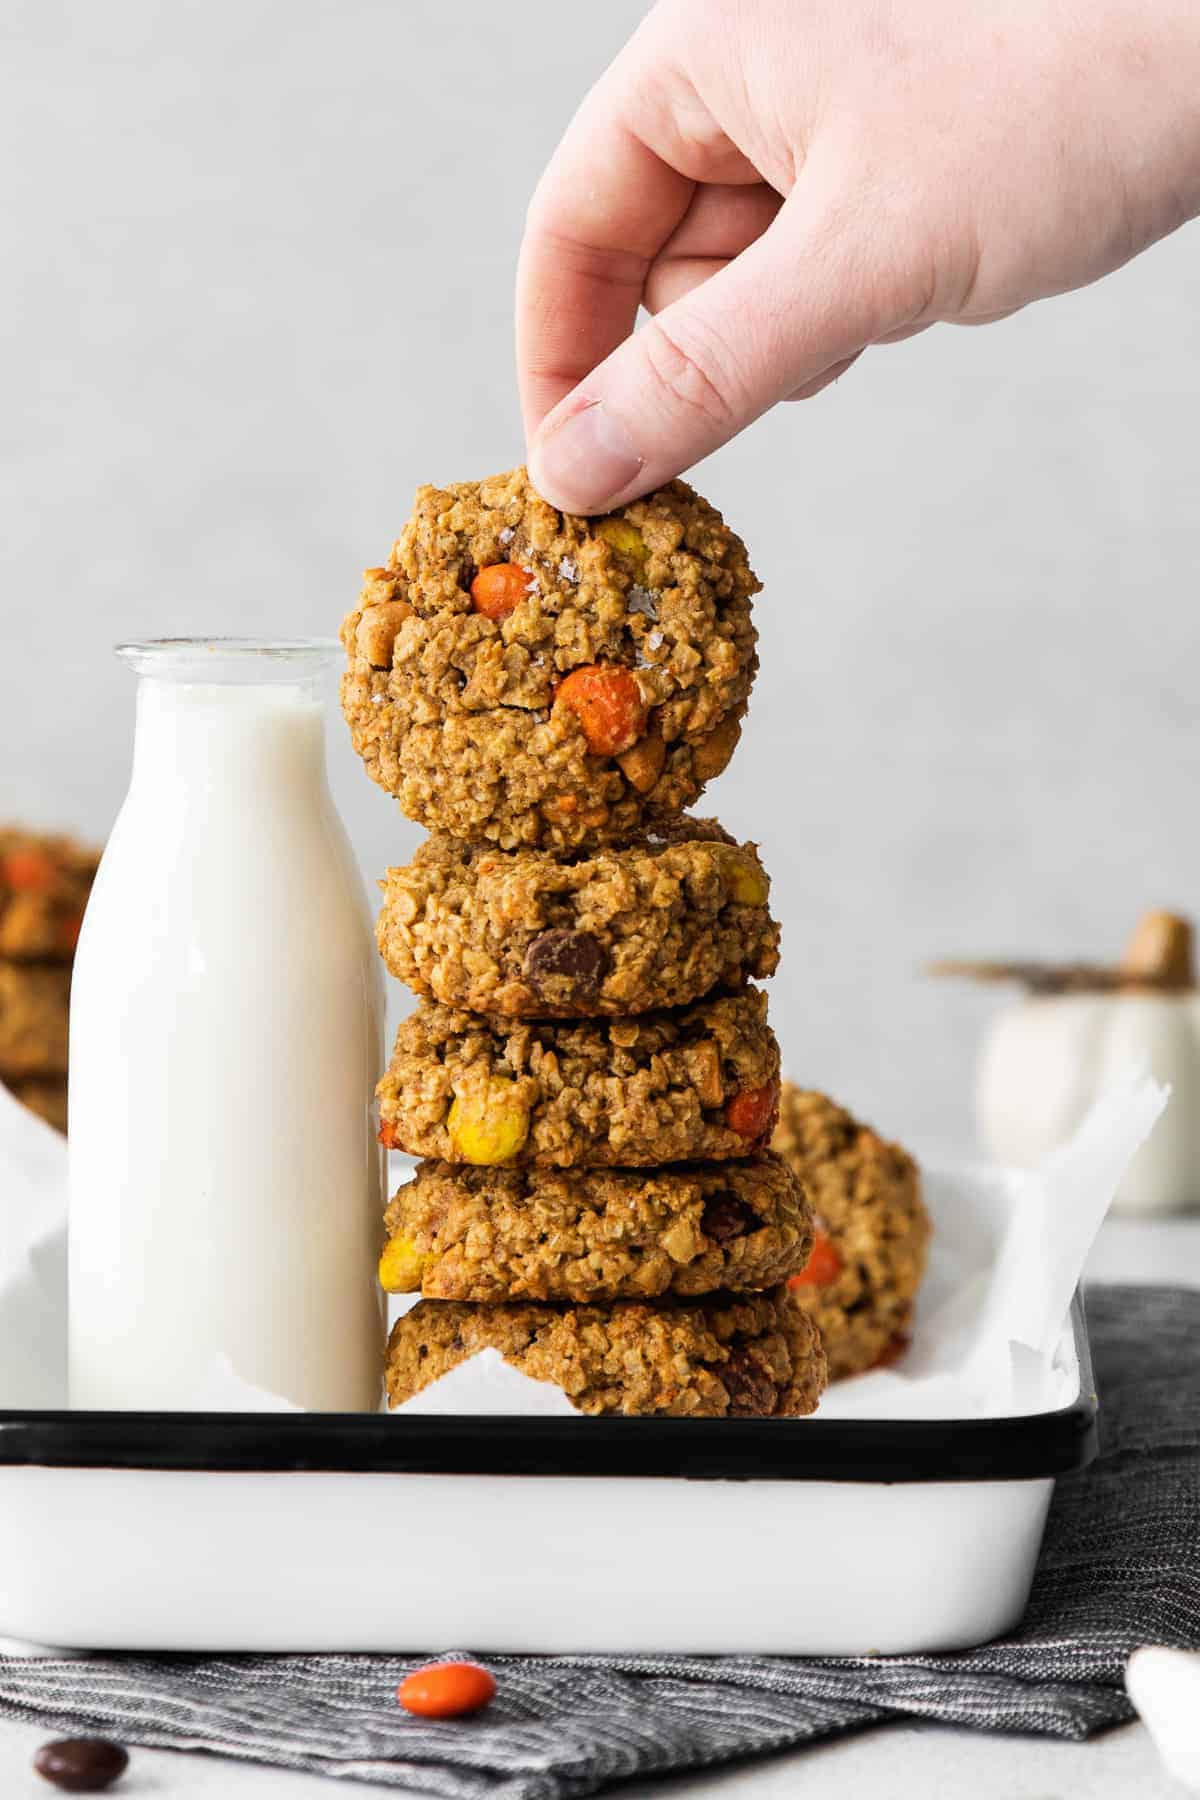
(229, 659)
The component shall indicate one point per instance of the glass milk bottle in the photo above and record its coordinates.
(226, 1036)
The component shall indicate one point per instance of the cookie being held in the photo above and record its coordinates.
(523, 676)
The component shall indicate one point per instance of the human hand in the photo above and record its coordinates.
(782, 185)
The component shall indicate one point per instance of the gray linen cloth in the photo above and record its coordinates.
(1120, 1567)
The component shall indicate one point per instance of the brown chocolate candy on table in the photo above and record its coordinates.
(81, 1765)
(565, 967)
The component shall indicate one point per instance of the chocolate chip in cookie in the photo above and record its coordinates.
(750, 1388)
(565, 967)
(726, 1217)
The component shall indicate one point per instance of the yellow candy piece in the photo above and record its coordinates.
(745, 880)
(625, 539)
(488, 1126)
(401, 1266)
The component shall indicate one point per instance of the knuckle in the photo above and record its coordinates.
(925, 257)
(692, 370)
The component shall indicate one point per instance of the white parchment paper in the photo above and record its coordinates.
(989, 1336)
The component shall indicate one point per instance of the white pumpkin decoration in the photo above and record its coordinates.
(1047, 1058)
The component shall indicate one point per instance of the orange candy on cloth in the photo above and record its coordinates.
(446, 1690)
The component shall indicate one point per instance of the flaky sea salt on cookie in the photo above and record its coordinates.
(524, 676)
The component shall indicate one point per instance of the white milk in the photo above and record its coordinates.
(226, 1036)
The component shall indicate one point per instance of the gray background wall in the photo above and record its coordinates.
(257, 282)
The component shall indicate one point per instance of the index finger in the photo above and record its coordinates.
(602, 211)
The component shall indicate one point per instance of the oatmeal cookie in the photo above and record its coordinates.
(45, 1095)
(754, 1357)
(695, 1085)
(459, 1233)
(44, 887)
(34, 1001)
(526, 676)
(872, 1230)
(527, 934)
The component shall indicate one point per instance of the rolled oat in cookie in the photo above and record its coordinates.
(662, 921)
(757, 1356)
(459, 1233)
(524, 676)
(700, 1083)
(872, 1230)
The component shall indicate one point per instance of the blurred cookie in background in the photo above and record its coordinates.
(44, 886)
(46, 1095)
(872, 1231)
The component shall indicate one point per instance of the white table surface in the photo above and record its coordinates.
(887, 1763)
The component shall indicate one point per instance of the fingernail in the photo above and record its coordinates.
(584, 463)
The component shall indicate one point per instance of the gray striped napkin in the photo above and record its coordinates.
(1120, 1567)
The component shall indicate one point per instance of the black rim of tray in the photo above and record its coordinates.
(885, 1450)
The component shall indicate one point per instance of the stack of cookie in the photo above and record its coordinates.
(589, 1075)
(44, 886)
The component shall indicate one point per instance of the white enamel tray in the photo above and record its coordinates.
(192, 1531)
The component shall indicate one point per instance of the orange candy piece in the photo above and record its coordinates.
(446, 1690)
(608, 703)
(499, 589)
(28, 870)
(823, 1266)
(752, 1112)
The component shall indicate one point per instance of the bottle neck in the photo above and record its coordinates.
(249, 743)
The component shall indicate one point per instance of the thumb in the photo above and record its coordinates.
(788, 313)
